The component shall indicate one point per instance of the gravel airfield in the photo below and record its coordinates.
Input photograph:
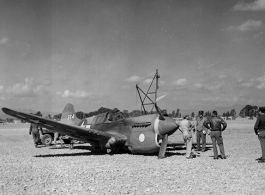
(25, 169)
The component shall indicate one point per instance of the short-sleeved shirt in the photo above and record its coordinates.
(199, 123)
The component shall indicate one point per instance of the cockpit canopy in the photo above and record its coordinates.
(107, 117)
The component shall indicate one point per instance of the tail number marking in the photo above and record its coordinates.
(70, 116)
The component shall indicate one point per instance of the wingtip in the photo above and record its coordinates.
(5, 109)
(8, 111)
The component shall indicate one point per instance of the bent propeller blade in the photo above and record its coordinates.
(159, 98)
(163, 147)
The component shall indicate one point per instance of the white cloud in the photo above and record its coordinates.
(198, 85)
(222, 76)
(214, 87)
(254, 6)
(29, 88)
(259, 36)
(223, 100)
(77, 94)
(133, 79)
(1, 88)
(40, 90)
(181, 82)
(261, 86)
(148, 81)
(22, 88)
(247, 84)
(208, 87)
(261, 81)
(3, 40)
(211, 99)
(249, 25)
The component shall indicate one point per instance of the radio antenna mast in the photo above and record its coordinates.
(146, 99)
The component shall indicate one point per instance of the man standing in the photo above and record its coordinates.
(260, 131)
(201, 131)
(34, 130)
(216, 125)
(186, 127)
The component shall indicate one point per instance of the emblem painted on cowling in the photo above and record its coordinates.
(141, 137)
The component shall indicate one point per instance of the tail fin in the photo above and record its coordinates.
(69, 116)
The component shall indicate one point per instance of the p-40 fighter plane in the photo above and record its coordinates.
(142, 134)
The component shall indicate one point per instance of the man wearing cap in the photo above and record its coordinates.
(186, 127)
(259, 129)
(216, 125)
(201, 131)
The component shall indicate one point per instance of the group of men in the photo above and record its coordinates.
(214, 127)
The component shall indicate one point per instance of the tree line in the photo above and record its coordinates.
(246, 111)
(249, 111)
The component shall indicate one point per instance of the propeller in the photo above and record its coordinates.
(163, 147)
(159, 98)
(164, 127)
(161, 117)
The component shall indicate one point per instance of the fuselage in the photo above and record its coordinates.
(142, 133)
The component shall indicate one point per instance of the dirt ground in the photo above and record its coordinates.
(25, 169)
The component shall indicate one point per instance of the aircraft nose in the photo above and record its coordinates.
(167, 126)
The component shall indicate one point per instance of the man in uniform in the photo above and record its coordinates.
(201, 131)
(259, 129)
(35, 130)
(216, 125)
(186, 127)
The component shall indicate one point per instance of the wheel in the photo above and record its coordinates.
(46, 139)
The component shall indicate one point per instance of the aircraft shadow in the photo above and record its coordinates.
(64, 155)
(91, 151)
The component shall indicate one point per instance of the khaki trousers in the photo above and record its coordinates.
(261, 137)
(201, 136)
(187, 136)
(216, 136)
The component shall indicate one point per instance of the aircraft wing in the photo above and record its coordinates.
(81, 133)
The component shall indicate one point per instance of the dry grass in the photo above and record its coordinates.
(28, 170)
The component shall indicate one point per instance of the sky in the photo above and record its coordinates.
(92, 53)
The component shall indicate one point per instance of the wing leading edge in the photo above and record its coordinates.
(82, 133)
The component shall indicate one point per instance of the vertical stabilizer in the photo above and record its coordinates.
(69, 116)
